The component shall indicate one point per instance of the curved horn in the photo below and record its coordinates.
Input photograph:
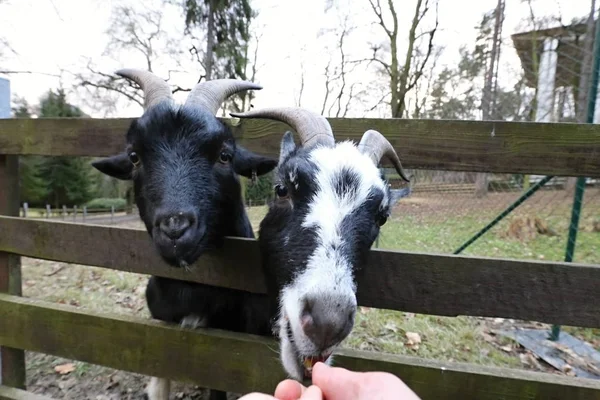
(376, 146)
(155, 89)
(211, 94)
(311, 127)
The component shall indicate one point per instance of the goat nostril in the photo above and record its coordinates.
(307, 323)
(175, 225)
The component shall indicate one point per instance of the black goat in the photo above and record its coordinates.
(330, 203)
(184, 164)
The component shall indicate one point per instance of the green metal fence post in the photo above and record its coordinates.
(504, 213)
(580, 186)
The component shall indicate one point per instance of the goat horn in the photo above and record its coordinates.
(155, 89)
(376, 146)
(311, 127)
(211, 94)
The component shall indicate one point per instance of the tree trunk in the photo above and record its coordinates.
(585, 79)
(586, 67)
(394, 72)
(488, 95)
(210, 40)
(401, 83)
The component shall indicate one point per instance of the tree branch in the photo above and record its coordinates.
(377, 10)
(15, 72)
(421, 68)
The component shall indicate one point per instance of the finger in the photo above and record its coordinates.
(257, 396)
(312, 393)
(335, 383)
(289, 390)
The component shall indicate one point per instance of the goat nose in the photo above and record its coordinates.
(174, 225)
(327, 322)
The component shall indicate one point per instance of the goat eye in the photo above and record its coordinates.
(382, 219)
(133, 157)
(281, 190)
(225, 157)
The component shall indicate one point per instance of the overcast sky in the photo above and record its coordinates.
(50, 35)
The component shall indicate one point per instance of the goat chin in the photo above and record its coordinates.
(158, 389)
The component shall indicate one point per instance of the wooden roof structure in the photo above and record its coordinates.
(529, 46)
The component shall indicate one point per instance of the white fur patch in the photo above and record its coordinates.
(289, 359)
(328, 273)
(193, 322)
(158, 389)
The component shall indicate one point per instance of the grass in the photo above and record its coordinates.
(424, 224)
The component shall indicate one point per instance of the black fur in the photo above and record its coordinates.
(181, 170)
(286, 245)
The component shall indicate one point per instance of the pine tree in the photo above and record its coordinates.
(68, 179)
(32, 187)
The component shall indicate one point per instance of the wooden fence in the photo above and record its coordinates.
(447, 285)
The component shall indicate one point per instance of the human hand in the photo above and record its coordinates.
(341, 384)
(288, 390)
(331, 383)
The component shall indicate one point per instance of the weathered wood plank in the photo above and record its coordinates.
(12, 361)
(561, 293)
(8, 393)
(228, 361)
(488, 146)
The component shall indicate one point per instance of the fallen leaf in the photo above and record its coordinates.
(567, 369)
(64, 368)
(530, 360)
(508, 348)
(413, 340)
(413, 337)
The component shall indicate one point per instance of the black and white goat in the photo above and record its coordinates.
(184, 164)
(331, 201)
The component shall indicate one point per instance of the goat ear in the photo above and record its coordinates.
(117, 166)
(286, 147)
(247, 163)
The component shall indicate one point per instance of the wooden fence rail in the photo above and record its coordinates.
(480, 146)
(560, 293)
(242, 363)
(450, 285)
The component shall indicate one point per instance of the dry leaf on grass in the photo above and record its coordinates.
(413, 340)
(567, 369)
(508, 348)
(64, 368)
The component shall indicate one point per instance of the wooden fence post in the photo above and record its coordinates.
(84, 213)
(12, 361)
(74, 213)
(64, 212)
(25, 209)
(48, 211)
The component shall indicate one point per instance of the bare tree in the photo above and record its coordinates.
(250, 70)
(403, 77)
(586, 66)
(423, 87)
(134, 30)
(489, 88)
(340, 89)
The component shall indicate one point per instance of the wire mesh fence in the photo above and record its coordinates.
(542, 73)
(443, 212)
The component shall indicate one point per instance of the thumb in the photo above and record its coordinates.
(335, 383)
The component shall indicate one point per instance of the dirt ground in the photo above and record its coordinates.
(123, 293)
